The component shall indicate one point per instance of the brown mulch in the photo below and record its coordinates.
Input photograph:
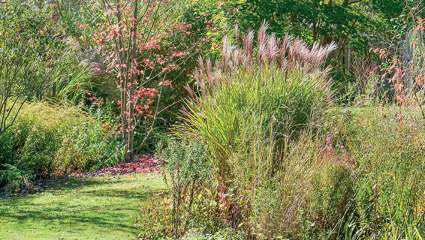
(144, 164)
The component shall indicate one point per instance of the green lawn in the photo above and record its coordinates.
(84, 208)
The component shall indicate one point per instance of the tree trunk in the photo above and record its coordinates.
(130, 62)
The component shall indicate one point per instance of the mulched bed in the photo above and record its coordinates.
(144, 164)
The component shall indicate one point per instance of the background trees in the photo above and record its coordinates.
(23, 51)
(356, 26)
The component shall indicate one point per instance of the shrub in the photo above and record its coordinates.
(11, 178)
(187, 169)
(156, 222)
(48, 139)
(228, 234)
(7, 140)
(88, 147)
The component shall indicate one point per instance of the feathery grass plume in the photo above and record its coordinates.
(226, 54)
(248, 46)
(262, 44)
(287, 53)
(237, 34)
(272, 47)
(284, 46)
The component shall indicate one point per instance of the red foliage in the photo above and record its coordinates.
(145, 164)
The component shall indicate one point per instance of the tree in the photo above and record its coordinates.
(131, 38)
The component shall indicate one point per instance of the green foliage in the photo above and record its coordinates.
(156, 222)
(71, 81)
(355, 26)
(188, 169)
(318, 191)
(203, 224)
(88, 147)
(228, 234)
(186, 158)
(250, 101)
(78, 19)
(390, 179)
(11, 178)
(22, 52)
(37, 60)
(201, 26)
(368, 182)
(40, 145)
(277, 195)
(330, 200)
(49, 139)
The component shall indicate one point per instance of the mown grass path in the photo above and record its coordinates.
(79, 208)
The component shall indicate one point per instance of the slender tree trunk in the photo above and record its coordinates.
(132, 65)
(122, 73)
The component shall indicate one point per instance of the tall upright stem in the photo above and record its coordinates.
(131, 61)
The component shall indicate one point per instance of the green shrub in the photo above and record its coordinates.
(7, 140)
(333, 190)
(187, 170)
(156, 220)
(40, 145)
(88, 147)
(11, 178)
(51, 139)
(187, 159)
(224, 234)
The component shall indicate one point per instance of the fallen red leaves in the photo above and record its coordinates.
(145, 164)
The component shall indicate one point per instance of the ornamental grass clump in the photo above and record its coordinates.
(248, 107)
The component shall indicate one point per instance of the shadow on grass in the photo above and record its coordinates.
(66, 183)
(78, 202)
(117, 194)
(78, 218)
(70, 183)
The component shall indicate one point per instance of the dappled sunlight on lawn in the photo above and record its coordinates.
(85, 208)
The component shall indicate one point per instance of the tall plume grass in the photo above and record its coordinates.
(287, 54)
(261, 95)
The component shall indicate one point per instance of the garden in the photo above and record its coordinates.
(212, 119)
